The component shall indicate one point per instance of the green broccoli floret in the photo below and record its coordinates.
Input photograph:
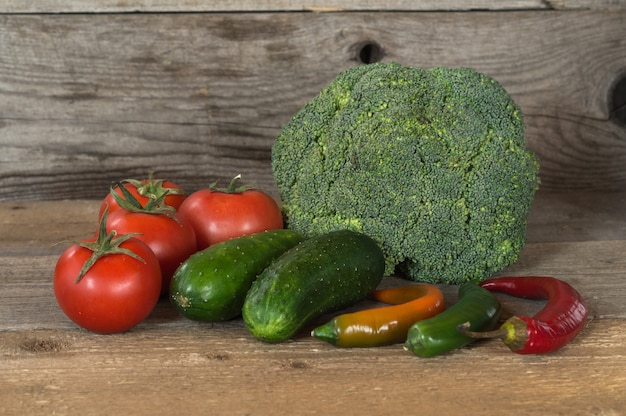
(431, 163)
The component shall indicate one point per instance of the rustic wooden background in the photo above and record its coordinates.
(90, 97)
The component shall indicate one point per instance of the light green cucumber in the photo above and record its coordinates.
(211, 285)
(320, 275)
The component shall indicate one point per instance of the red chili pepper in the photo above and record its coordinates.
(386, 324)
(551, 328)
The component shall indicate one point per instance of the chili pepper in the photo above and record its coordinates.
(384, 325)
(439, 334)
(552, 327)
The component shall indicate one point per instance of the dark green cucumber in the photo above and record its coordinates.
(211, 285)
(477, 307)
(323, 274)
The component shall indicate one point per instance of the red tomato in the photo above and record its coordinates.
(115, 294)
(171, 238)
(144, 190)
(220, 215)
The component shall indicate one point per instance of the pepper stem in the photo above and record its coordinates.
(464, 329)
(513, 332)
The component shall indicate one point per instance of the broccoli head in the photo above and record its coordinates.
(431, 163)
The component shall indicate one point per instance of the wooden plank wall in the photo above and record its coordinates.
(91, 97)
(151, 6)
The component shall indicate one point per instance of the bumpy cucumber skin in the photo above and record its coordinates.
(323, 274)
(211, 285)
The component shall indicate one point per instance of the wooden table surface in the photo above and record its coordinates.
(170, 365)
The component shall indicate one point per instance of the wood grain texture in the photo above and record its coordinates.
(40, 227)
(86, 99)
(577, 216)
(152, 6)
(224, 372)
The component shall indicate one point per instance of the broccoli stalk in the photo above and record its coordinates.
(432, 164)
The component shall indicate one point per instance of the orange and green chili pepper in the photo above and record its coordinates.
(555, 325)
(384, 325)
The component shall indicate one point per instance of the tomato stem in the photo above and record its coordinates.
(152, 187)
(154, 205)
(105, 244)
(232, 187)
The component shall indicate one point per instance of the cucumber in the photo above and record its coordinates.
(322, 274)
(211, 285)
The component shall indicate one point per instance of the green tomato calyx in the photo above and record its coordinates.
(105, 244)
(233, 187)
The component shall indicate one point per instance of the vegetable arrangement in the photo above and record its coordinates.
(389, 170)
(278, 281)
(111, 282)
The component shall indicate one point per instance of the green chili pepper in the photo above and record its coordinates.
(476, 307)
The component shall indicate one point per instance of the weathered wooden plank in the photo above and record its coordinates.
(228, 373)
(577, 216)
(86, 99)
(42, 227)
(36, 227)
(115, 6)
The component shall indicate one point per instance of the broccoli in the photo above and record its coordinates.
(431, 163)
